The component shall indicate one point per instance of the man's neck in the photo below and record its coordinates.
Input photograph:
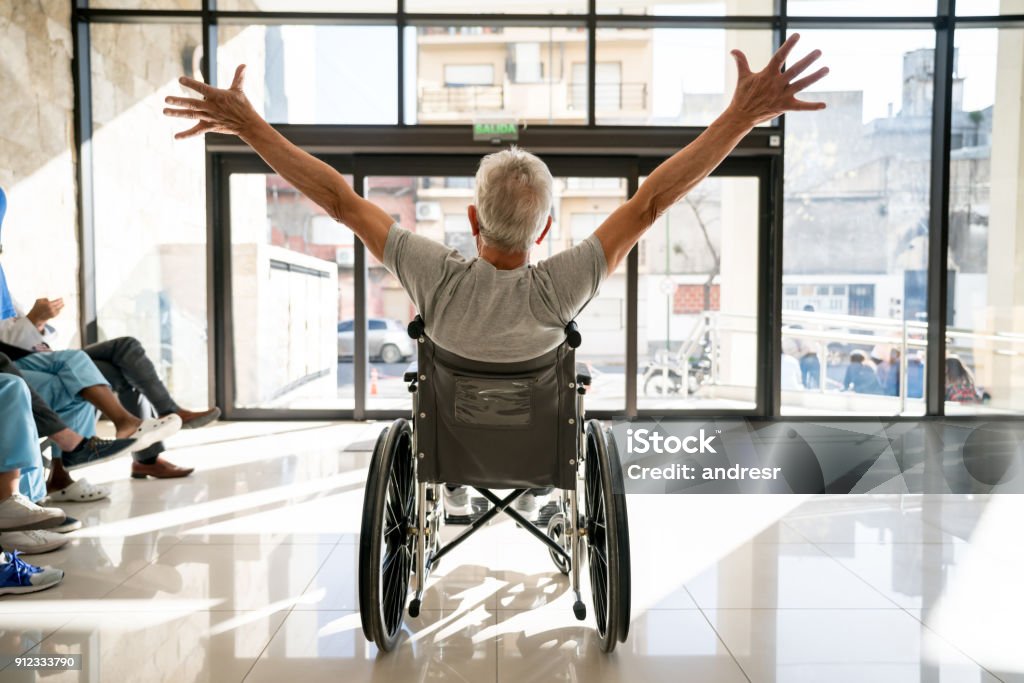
(503, 260)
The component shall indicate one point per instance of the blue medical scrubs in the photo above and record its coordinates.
(59, 377)
(19, 441)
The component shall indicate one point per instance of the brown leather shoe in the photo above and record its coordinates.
(161, 469)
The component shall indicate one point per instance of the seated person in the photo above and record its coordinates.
(498, 307)
(21, 485)
(65, 378)
(74, 449)
(123, 364)
(960, 386)
(860, 377)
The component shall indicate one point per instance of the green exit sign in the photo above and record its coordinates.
(496, 131)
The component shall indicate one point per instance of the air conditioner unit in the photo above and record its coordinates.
(428, 211)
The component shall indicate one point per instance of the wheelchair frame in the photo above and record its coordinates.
(402, 516)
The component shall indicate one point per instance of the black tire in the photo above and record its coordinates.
(625, 560)
(658, 385)
(604, 521)
(389, 353)
(386, 548)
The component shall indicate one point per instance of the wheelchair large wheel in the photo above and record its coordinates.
(386, 548)
(607, 537)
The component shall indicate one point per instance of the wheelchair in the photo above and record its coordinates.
(493, 426)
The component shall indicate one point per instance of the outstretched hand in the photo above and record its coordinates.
(763, 95)
(218, 111)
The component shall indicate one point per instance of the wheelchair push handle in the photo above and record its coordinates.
(572, 335)
(416, 327)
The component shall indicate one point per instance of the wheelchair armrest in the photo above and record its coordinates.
(409, 377)
(583, 378)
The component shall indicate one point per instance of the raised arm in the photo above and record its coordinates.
(229, 111)
(759, 97)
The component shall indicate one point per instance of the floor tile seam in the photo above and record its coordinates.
(34, 646)
(855, 574)
(719, 636)
(270, 639)
(953, 645)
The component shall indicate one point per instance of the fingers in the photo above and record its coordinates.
(797, 86)
(779, 58)
(197, 129)
(801, 66)
(198, 86)
(803, 105)
(236, 83)
(186, 102)
(188, 114)
(742, 66)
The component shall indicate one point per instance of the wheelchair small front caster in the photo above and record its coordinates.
(580, 610)
(414, 608)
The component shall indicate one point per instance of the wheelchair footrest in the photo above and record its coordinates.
(545, 514)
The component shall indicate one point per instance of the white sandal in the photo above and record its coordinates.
(80, 491)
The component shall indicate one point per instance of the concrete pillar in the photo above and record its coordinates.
(739, 275)
(1005, 311)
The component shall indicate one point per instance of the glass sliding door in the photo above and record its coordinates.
(698, 287)
(292, 270)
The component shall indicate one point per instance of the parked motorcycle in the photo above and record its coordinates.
(664, 375)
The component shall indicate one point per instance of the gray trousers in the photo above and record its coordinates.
(133, 378)
(47, 422)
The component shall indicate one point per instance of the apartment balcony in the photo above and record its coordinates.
(464, 99)
(610, 96)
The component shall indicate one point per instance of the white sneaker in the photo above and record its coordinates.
(528, 504)
(18, 513)
(18, 576)
(157, 429)
(32, 542)
(457, 502)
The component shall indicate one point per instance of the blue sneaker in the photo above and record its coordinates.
(95, 450)
(18, 576)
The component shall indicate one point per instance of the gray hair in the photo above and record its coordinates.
(513, 198)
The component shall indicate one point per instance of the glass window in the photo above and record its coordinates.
(292, 298)
(504, 7)
(314, 74)
(667, 76)
(698, 293)
(530, 66)
(863, 8)
(985, 337)
(306, 5)
(988, 8)
(146, 4)
(856, 216)
(602, 323)
(149, 195)
(688, 8)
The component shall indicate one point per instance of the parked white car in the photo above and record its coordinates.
(386, 340)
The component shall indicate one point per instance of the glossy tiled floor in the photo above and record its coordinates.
(246, 571)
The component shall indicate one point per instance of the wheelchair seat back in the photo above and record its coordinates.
(496, 425)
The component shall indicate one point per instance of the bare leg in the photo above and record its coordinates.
(103, 398)
(59, 477)
(9, 483)
(67, 440)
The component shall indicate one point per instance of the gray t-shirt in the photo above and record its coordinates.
(479, 312)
